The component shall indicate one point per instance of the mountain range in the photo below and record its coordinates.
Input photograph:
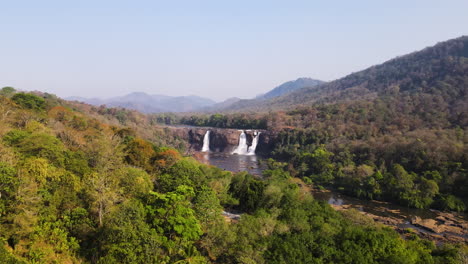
(147, 103)
(441, 71)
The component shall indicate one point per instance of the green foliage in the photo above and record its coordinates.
(187, 172)
(135, 182)
(127, 238)
(411, 170)
(207, 207)
(449, 202)
(7, 257)
(77, 163)
(43, 145)
(15, 137)
(139, 153)
(7, 91)
(76, 187)
(37, 144)
(171, 215)
(247, 190)
(240, 121)
(29, 101)
(8, 186)
(8, 180)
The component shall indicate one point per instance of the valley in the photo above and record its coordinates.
(445, 227)
(368, 168)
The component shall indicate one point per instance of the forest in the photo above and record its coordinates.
(439, 72)
(394, 132)
(94, 185)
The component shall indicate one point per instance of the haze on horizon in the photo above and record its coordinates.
(213, 49)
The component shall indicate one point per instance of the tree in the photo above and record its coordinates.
(104, 191)
(171, 215)
(8, 185)
(165, 159)
(7, 91)
(139, 152)
(248, 191)
(319, 165)
(29, 101)
(134, 182)
(127, 237)
(183, 172)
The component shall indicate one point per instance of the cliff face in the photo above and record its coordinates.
(222, 140)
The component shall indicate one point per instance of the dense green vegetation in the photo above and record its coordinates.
(240, 121)
(77, 189)
(397, 149)
(396, 131)
(415, 169)
(237, 121)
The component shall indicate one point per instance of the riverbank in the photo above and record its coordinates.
(440, 227)
(433, 225)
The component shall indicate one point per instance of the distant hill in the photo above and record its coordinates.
(222, 105)
(440, 71)
(282, 89)
(290, 86)
(151, 103)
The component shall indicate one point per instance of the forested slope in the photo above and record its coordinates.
(76, 188)
(437, 73)
(289, 87)
(394, 132)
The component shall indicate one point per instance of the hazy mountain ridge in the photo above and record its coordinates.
(438, 70)
(151, 103)
(290, 86)
(162, 103)
(282, 89)
(224, 104)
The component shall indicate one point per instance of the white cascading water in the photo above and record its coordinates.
(242, 148)
(206, 142)
(252, 148)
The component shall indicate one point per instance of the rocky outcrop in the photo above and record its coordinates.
(223, 139)
(446, 225)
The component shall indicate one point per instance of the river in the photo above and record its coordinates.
(253, 164)
(430, 224)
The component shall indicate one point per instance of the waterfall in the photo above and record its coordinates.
(252, 148)
(206, 142)
(242, 147)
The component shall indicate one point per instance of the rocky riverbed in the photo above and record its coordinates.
(442, 227)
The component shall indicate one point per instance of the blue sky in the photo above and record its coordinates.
(217, 49)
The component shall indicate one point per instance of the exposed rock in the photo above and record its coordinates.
(446, 224)
(428, 224)
(221, 139)
(445, 227)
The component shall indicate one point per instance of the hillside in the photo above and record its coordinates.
(289, 87)
(151, 103)
(438, 72)
(75, 189)
(395, 132)
(221, 105)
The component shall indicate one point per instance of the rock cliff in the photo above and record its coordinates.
(222, 139)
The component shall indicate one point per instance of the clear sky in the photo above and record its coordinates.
(216, 49)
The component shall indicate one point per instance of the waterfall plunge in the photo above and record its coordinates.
(252, 148)
(206, 142)
(243, 148)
